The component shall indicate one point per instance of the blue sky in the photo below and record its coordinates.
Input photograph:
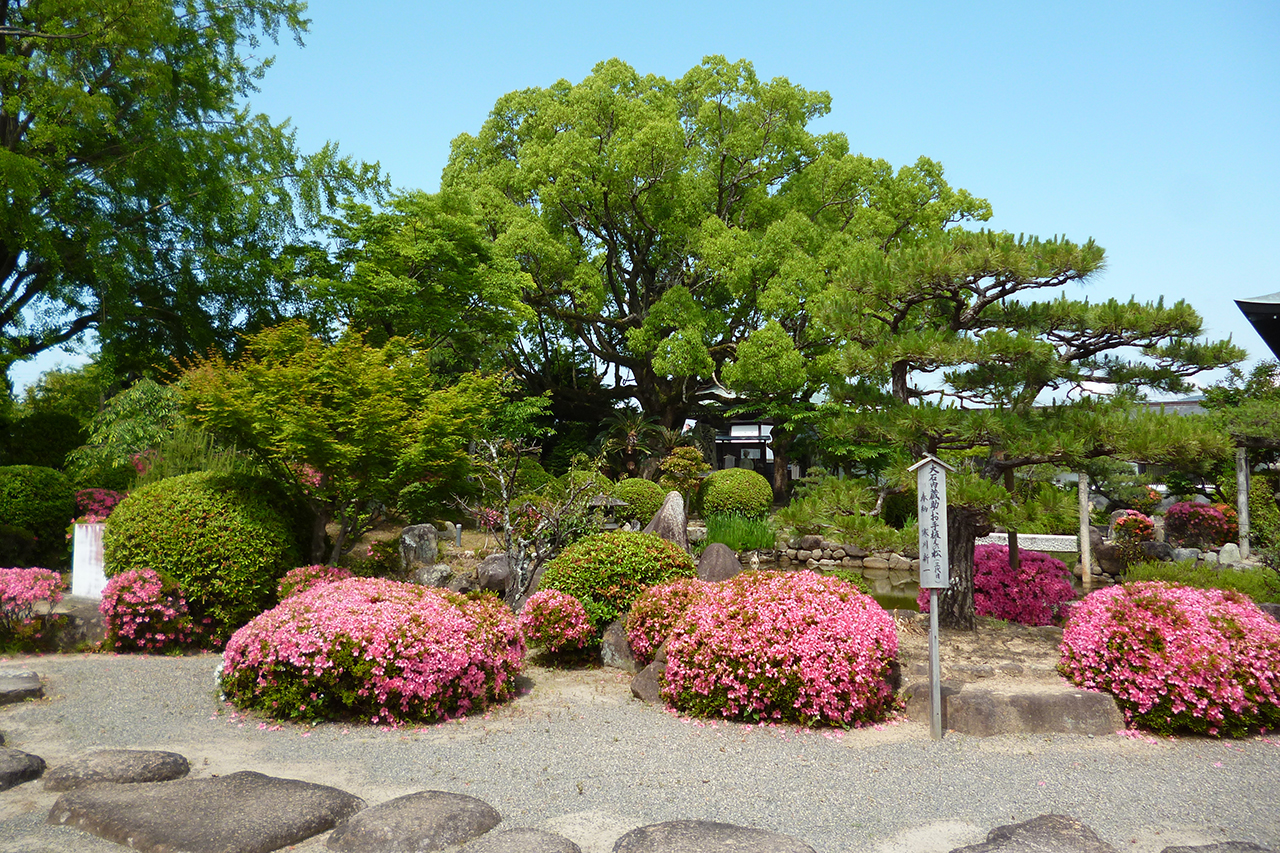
(1151, 127)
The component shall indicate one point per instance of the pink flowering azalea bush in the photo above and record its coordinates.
(375, 650)
(655, 613)
(144, 611)
(786, 646)
(1133, 526)
(1200, 525)
(1033, 595)
(555, 622)
(1177, 658)
(20, 590)
(304, 578)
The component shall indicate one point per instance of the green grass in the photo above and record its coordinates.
(740, 532)
(1259, 584)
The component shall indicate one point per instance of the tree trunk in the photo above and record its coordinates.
(781, 443)
(955, 603)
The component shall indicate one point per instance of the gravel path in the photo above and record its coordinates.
(577, 755)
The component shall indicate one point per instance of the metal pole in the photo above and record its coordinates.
(1242, 498)
(935, 669)
(1086, 569)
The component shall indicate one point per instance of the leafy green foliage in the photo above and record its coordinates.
(222, 537)
(36, 505)
(735, 490)
(644, 499)
(682, 471)
(40, 438)
(607, 571)
(134, 421)
(740, 532)
(353, 425)
(143, 201)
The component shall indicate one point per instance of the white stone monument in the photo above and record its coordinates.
(87, 577)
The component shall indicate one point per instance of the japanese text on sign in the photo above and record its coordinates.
(931, 489)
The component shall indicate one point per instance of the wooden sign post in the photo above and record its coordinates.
(935, 567)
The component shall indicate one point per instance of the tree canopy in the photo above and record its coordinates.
(142, 200)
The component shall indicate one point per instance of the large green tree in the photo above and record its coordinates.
(606, 193)
(954, 359)
(142, 200)
(681, 231)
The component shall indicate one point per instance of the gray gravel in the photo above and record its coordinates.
(577, 755)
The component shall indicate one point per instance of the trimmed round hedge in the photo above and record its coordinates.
(375, 650)
(785, 646)
(644, 498)
(1177, 658)
(219, 536)
(608, 571)
(36, 504)
(735, 490)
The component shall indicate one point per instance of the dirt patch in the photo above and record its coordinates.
(996, 652)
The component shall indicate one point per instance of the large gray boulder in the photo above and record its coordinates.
(439, 575)
(615, 648)
(242, 812)
(647, 685)
(122, 766)
(427, 820)
(1229, 554)
(670, 522)
(1049, 833)
(718, 563)
(419, 546)
(17, 767)
(702, 836)
(496, 574)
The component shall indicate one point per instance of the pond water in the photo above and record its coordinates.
(890, 601)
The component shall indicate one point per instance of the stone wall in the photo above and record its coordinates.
(888, 572)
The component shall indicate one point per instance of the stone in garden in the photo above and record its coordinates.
(17, 767)
(82, 623)
(647, 685)
(991, 712)
(670, 522)
(702, 836)
(1159, 551)
(419, 546)
(1229, 554)
(438, 575)
(615, 648)
(521, 841)
(427, 820)
(718, 563)
(1209, 557)
(1050, 832)
(18, 685)
(1184, 554)
(918, 698)
(117, 765)
(879, 564)
(809, 542)
(496, 574)
(1271, 609)
(245, 812)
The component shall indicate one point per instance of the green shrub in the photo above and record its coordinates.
(644, 499)
(36, 505)
(222, 537)
(1259, 584)
(40, 438)
(740, 532)
(735, 490)
(606, 572)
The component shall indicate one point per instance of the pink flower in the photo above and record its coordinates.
(1177, 658)
(1033, 595)
(790, 646)
(556, 621)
